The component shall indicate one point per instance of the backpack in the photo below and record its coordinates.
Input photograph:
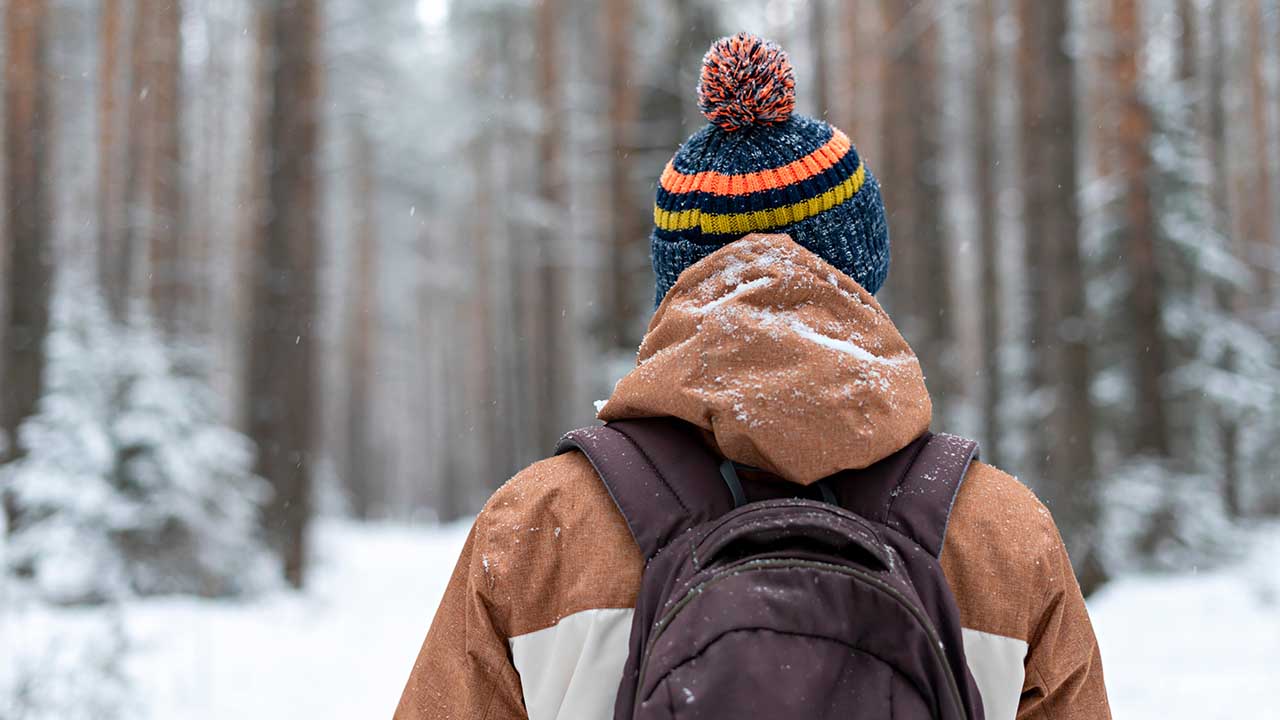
(758, 603)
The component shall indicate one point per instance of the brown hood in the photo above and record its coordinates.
(788, 363)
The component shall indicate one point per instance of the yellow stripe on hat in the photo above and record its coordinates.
(746, 222)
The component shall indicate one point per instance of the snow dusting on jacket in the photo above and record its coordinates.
(788, 366)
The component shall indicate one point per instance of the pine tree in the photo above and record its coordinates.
(1171, 512)
(128, 483)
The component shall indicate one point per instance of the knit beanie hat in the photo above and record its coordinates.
(760, 168)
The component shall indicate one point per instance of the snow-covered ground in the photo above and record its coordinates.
(1203, 645)
(1199, 645)
(342, 649)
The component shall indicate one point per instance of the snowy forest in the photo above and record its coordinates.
(290, 287)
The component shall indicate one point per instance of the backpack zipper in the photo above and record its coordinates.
(935, 641)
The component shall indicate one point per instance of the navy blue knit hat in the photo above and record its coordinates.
(759, 168)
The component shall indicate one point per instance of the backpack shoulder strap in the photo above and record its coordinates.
(663, 479)
(921, 504)
(911, 491)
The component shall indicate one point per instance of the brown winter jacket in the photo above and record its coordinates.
(789, 366)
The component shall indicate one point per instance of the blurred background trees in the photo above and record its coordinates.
(392, 250)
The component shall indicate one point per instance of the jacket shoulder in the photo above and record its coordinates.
(550, 542)
(1002, 555)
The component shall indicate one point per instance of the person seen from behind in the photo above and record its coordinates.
(765, 525)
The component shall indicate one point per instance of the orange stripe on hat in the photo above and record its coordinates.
(816, 162)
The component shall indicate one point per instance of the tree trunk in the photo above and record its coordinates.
(153, 168)
(1037, 191)
(360, 475)
(1100, 92)
(863, 71)
(1227, 296)
(1063, 447)
(206, 223)
(112, 259)
(551, 365)
(919, 287)
(1140, 228)
(1259, 241)
(821, 58)
(485, 444)
(27, 218)
(898, 168)
(626, 233)
(452, 376)
(139, 166)
(254, 206)
(170, 296)
(1188, 59)
(281, 362)
(518, 296)
(986, 157)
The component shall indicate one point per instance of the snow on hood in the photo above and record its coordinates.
(789, 364)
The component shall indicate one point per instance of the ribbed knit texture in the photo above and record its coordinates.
(853, 237)
(758, 168)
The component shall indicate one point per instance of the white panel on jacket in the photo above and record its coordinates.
(571, 670)
(996, 664)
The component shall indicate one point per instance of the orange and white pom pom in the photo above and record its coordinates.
(746, 81)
